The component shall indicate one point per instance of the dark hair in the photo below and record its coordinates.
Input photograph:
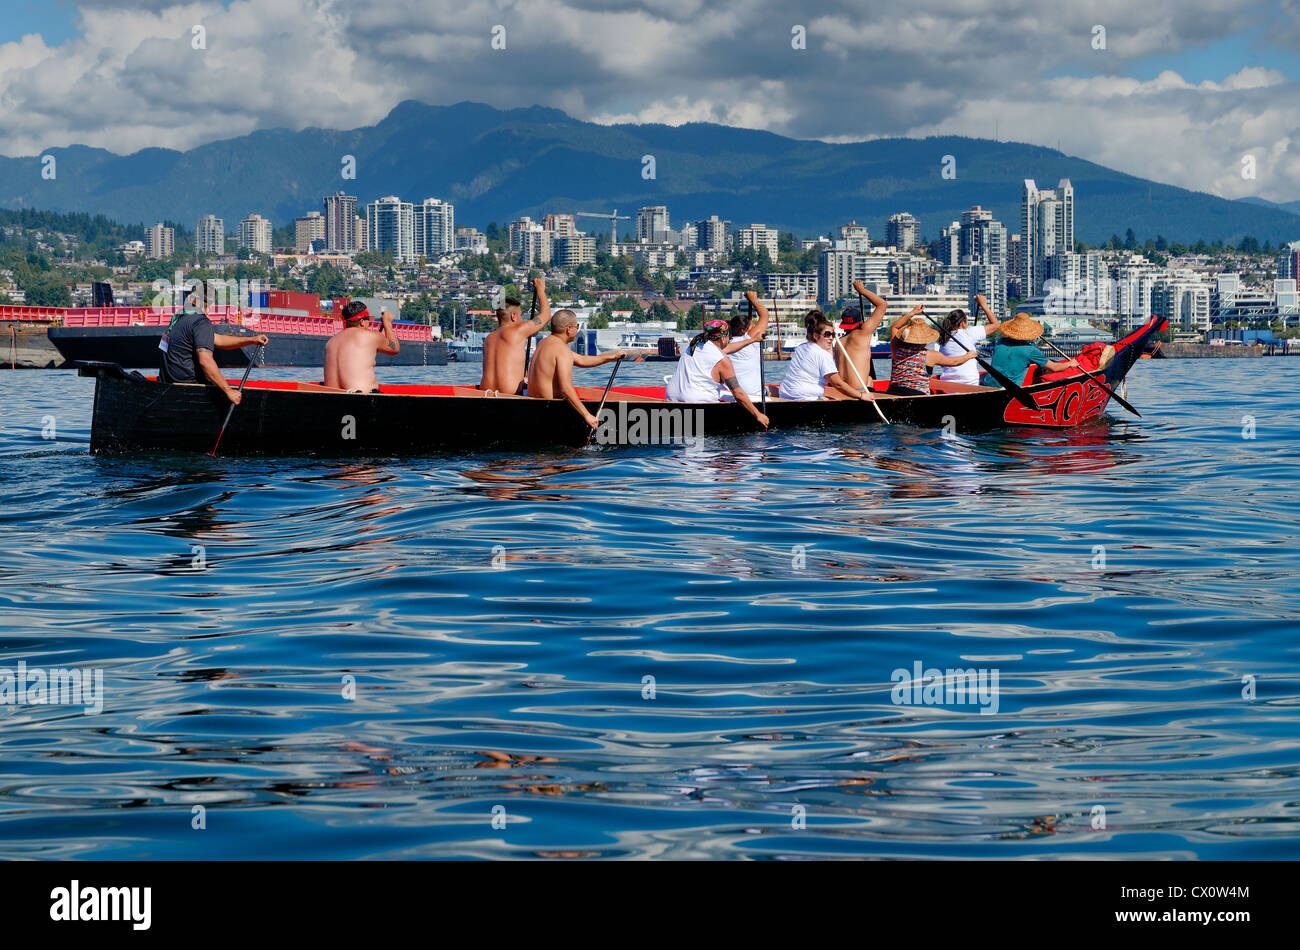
(512, 302)
(739, 324)
(951, 322)
(353, 308)
(199, 290)
(814, 322)
(708, 333)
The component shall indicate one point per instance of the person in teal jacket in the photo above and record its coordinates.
(1016, 351)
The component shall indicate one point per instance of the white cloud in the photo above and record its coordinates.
(131, 79)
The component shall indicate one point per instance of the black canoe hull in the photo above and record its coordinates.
(138, 347)
(133, 414)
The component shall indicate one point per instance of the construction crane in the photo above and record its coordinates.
(614, 219)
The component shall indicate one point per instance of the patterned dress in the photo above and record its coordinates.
(907, 366)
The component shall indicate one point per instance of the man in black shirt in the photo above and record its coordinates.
(188, 344)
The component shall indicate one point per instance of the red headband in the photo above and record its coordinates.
(357, 317)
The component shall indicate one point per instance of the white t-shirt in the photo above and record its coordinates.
(747, 370)
(968, 372)
(692, 381)
(805, 376)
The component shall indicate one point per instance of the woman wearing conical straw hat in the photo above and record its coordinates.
(1016, 351)
(910, 360)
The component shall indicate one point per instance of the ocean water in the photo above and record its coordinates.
(653, 652)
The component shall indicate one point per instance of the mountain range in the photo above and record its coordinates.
(496, 165)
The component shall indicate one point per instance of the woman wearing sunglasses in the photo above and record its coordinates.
(812, 365)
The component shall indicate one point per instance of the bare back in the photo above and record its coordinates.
(503, 357)
(551, 370)
(350, 359)
(858, 346)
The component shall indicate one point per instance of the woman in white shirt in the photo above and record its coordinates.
(704, 368)
(745, 356)
(956, 332)
(812, 365)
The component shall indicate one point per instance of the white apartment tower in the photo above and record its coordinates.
(210, 235)
(390, 226)
(1046, 226)
(760, 236)
(434, 228)
(255, 233)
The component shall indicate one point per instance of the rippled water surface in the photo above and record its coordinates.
(501, 617)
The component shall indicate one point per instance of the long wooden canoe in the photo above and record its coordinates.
(134, 413)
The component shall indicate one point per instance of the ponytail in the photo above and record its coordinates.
(950, 324)
(713, 330)
(814, 322)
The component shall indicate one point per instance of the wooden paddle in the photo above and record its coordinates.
(231, 411)
(528, 352)
(861, 382)
(762, 377)
(862, 316)
(1113, 395)
(604, 396)
(1004, 381)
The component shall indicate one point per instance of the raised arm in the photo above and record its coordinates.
(878, 307)
(993, 322)
(725, 374)
(539, 322)
(919, 308)
(759, 327)
(388, 338)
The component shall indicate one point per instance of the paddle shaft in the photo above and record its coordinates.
(862, 315)
(231, 411)
(603, 397)
(762, 376)
(1113, 395)
(1005, 381)
(528, 355)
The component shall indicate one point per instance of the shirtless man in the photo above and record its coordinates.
(853, 350)
(551, 375)
(503, 349)
(350, 353)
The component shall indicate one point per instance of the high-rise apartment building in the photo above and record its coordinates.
(210, 235)
(159, 242)
(434, 228)
(255, 234)
(390, 226)
(855, 237)
(759, 236)
(902, 232)
(1046, 226)
(652, 224)
(341, 223)
(310, 227)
